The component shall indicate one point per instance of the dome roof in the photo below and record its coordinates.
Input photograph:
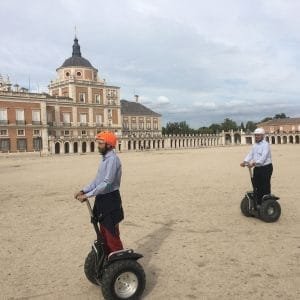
(76, 60)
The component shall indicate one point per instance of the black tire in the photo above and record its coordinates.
(123, 279)
(90, 267)
(245, 207)
(270, 211)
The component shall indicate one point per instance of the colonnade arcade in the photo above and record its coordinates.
(87, 145)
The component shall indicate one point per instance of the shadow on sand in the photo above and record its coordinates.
(149, 246)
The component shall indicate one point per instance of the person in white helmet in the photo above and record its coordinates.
(260, 158)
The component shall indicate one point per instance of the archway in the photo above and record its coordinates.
(284, 140)
(237, 138)
(75, 147)
(273, 139)
(57, 148)
(227, 139)
(291, 139)
(297, 139)
(83, 147)
(267, 139)
(67, 148)
(129, 145)
(279, 140)
(92, 147)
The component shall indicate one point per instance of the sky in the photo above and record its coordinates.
(197, 61)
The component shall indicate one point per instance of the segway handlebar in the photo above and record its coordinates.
(89, 207)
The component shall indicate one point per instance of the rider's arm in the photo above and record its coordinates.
(105, 185)
(249, 156)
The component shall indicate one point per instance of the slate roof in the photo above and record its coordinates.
(131, 108)
(281, 121)
(76, 60)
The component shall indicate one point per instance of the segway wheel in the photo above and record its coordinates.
(90, 267)
(270, 211)
(245, 207)
(123, 279)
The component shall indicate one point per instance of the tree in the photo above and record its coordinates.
(215, 128)
(228, 125)
(266, 119)
(250, 126)
(177, 128)
(242, 126)
(280, 116)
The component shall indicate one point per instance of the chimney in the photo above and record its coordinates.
(136, 98)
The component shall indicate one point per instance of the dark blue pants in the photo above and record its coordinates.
(262, 181)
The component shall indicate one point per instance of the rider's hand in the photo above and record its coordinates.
(81, 198)
(242, 164)
(78, 194)
(252, 164)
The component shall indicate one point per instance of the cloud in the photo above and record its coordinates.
(201, 62)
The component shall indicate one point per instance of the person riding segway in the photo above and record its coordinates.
(108, 264)
(260, 202)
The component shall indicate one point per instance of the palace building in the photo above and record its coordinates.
(141, 127)
(66, 120)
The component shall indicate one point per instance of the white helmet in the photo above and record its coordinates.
(259, 131)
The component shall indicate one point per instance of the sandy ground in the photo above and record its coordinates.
(182, 213)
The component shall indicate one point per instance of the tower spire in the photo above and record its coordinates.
(76, 48)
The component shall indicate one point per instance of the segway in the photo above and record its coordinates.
(269, 210)
(119, 274)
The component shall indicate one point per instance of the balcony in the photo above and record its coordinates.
(36, 123)
(3, 122)
(83, 124)
(20, 122)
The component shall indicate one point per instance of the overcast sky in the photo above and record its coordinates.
(194, 60)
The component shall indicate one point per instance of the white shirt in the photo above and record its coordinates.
(260, 154)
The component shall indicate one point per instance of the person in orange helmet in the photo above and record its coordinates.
(105, 187)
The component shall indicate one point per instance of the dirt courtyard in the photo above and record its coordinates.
(182, 212)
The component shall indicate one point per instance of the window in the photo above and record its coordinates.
(148, 126)
(78, 74)
(141, 125)
(155, 126)
(98, 119)
(20, 132)
(66, 118)
(4, 145)
(20, 116)
(21, 144)
(83, 132)
(125, 125)
(109, 113)
(37, 144)
(4, 132)
(3, 116)
(82, 118)
(82, 97)
(66, 132)
(49, 117)
(67, 74)
(36, 117)
(36, 132)
(97, 98)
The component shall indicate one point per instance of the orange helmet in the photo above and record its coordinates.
(108, 137)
